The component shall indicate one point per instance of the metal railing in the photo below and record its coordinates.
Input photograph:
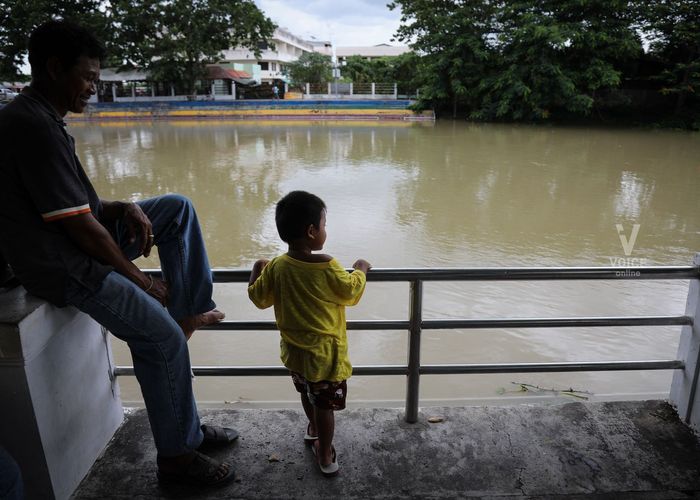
(415, 323)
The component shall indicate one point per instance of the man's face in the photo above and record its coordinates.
(79, 83)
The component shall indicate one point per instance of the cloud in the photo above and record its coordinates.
(344, 22)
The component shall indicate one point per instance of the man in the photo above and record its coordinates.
(69, 247)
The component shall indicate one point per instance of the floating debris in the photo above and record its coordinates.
(273, 458)
(535, 389)
(436, 420)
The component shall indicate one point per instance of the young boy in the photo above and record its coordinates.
(310, 291)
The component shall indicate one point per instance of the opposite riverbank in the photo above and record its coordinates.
(256, 109)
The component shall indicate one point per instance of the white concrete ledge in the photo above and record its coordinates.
(60, 405)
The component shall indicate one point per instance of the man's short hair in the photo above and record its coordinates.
(63, 39)
(296, 212)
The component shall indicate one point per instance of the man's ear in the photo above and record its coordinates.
(54, 68)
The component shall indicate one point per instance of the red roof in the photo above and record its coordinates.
(219, 73)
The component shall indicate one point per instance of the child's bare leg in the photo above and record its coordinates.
(309, 410)
(325, 425)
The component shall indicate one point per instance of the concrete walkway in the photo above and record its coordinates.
(625, 450)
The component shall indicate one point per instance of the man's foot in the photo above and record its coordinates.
(191, 323)
(194, 469)
(215, 436)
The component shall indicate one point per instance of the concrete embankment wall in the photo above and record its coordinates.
(265, 109)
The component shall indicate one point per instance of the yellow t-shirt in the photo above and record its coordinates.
(310, 300)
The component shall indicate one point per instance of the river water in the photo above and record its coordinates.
(431, 195)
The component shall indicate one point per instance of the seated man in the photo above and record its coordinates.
(69, 247)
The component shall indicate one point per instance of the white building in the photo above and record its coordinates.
(287, 48)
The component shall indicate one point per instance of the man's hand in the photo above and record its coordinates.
(92, 238)
(138, 226)
(362, 265)
(156, 288)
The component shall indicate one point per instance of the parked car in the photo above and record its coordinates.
(7, 94)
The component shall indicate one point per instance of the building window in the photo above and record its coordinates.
(262, 45)
(273, 66)
(263, 65)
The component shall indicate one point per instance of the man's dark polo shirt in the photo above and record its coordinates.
(41, 182)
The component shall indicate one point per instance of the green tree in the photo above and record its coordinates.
(174, 40)
(381, 69)
(405, 72)
(311, 67)
(555, 55)
(19, 17)
(518, 59)
(673, 27)
(454, 39)
(358, 69)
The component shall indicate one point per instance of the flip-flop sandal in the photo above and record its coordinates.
(202, 472)
(308, 438)
(215, 436)
(332, 468)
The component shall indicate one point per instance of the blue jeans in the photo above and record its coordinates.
(157, 343)
(11, 486)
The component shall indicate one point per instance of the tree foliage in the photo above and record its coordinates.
(401, 70)
(175, 39)
(541, 59)
(19, 17)
(455, 39)
(555, 55)
(172, 39)
(673, 28)
(311, 67)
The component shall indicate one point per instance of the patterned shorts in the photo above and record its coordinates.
(324, 395)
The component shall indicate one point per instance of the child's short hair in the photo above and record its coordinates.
(296, 212)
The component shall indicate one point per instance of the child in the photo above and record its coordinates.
(310, 292)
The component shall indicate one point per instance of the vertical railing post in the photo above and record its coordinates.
(684, 388)
(414, 333)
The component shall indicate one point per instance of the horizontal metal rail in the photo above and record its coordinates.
(499, 274)
(449, 324)
(415, 323)
(446, 369)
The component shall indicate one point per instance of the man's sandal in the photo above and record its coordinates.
(215, 436)
(203, 471)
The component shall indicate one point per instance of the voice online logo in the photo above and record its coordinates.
(628, 261)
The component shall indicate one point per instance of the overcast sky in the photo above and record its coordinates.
(343, 22)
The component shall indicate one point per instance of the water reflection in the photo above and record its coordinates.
(444, 195)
